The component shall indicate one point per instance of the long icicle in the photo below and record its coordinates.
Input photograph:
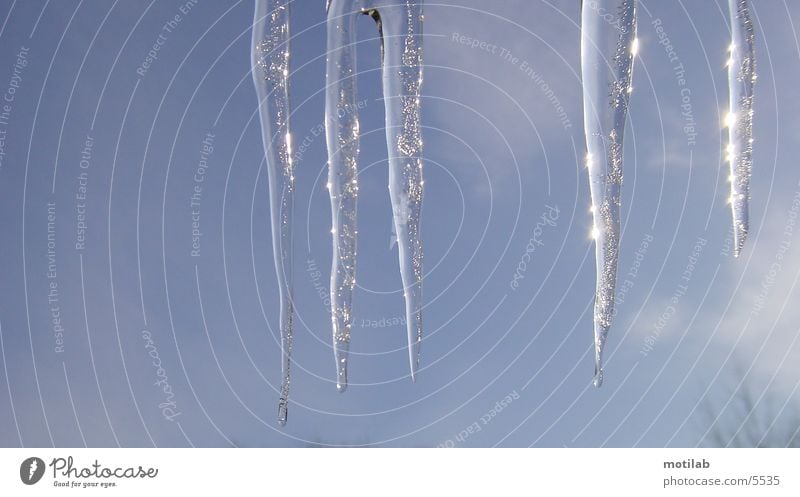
(739, 153)
(401, 35)
(342, 135)
(400, 26)
(608, 47)
(270, 59)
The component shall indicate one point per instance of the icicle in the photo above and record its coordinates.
(270, 59)
(739, 121)
(400, 26)
(608, 46)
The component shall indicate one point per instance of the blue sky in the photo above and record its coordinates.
(695, 328)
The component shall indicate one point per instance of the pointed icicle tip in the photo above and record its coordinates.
(283, 412)
(598, 377)
(341, 377)
(413, 359)
(738, 244)
(600, 334)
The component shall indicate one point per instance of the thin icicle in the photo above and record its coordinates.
(342, 135)
(270, 59)
(608, 46)
(741, 80)
(400, 25)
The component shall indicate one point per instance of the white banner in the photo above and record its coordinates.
(120, 472)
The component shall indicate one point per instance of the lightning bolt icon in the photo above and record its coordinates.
(32, 469)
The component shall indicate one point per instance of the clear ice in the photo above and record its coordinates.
(400, 26)
(270, 60)
(608, 47)
(739, 121)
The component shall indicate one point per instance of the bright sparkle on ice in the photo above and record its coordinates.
(400, 26)
(270, 59)
(741, 81)
(607, 53)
